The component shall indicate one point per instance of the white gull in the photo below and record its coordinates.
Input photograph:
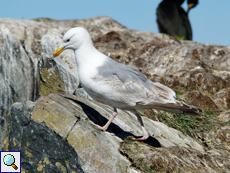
(116, 84)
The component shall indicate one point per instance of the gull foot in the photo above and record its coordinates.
(140, 139)
(146, 135)
(100, 127)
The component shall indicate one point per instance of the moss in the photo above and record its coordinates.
(28, 154)
(179, 92)
(130, 149)
(193, 126)
(60, 166)
(43, 163)
(194, 87)
(50, 83)
(40, 166)
(46, 161)
(145, 158)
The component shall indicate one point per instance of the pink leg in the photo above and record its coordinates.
(105, 127)
(146, 134)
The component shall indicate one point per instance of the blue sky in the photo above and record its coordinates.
(210, 20)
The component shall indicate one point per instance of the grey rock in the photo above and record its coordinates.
(3, 128)
(42, 150)
(82, 93)
(17, 73)
(57, 137)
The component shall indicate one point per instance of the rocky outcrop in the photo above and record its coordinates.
(40, 124)
(54, 135)
(27, 45)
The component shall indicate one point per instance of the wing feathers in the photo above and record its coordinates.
(130, 87)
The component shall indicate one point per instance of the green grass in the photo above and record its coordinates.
(194, 87)
(178, 92)
(193, 126)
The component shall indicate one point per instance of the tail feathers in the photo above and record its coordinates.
(178, 107)
(189, 109)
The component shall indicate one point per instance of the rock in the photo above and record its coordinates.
(222, 98)
(179, 63)
(224, 116)
(197, 97)
(59, 127)
(3, 128)
(42, 150)
(23, 43)
(198, 73)
(18, 71)
(172, 159)
(82, 93)
(72, 144)
(56, 77)
(223, 135)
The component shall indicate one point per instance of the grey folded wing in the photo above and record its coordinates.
(133, 86)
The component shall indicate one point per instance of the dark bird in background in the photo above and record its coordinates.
(173, 20)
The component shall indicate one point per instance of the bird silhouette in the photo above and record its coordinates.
(173, 20)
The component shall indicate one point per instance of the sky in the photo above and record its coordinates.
(210, 19)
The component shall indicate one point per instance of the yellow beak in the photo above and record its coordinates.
(58, 51)
(190, 5)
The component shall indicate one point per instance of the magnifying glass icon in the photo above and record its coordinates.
(9, 160)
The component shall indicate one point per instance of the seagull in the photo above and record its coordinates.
(118, 85)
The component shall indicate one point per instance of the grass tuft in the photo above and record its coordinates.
(193, 126)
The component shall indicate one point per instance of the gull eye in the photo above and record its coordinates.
(67, 40)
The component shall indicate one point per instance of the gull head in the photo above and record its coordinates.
(73, 39)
